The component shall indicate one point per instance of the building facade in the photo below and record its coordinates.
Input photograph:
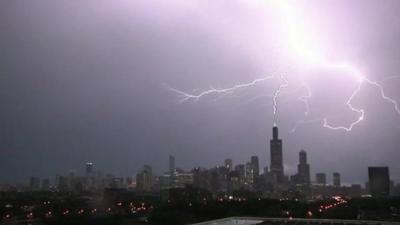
(379, 181)
(303, 169)
(276, 165)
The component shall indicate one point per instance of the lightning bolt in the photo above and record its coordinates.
(384, 96)
(352, 108)
(304, 50)
(195, 97)
(276, 95)
(304, 98)
(361, 112)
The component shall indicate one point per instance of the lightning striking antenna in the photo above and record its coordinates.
(195, 97)
(276, 95)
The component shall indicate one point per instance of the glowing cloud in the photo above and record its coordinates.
(306, 51)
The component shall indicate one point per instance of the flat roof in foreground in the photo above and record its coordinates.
(287, 221)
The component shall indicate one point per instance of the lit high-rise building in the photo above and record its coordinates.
(241, 171)
(303, 169)
(228, 164)
(379, 181)
(249, 173)
(276, 167)
(336, 179)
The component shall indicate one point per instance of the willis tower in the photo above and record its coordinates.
(276, 155)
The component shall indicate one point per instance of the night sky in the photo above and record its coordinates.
(89, 81)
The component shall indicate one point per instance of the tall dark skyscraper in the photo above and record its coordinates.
(379, 181)
(276, 167)
(303, 169)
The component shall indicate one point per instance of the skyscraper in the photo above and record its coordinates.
(256, 166)
(321, 178)
(303, 169)
(276, 167)
(379, 182)
(144, 179)
(241, 171)
(249, 173)
(228, 164)
(336, 179)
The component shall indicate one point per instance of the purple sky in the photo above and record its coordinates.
(87, 81)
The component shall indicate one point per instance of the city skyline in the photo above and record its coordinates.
(301, 176)
(291, 170)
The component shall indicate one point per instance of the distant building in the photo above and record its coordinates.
(117, 183)
(180, 180)
(34, 183)
(256, 165)
(234, 181)
(336, 179)
(89, 168)
(62, 183)
(266, 170)
(321, 178)
(396, 190)
(144, 179)
(249, 174)
(303, 169)
(276, 156)
(229, 164)
(45, 185)
(201, 178)
(183, 179)
(240, 169)
(355, 191)
(379, 182)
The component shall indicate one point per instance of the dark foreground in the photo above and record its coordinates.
(125, 208)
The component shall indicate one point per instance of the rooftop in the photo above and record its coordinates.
(286, 221)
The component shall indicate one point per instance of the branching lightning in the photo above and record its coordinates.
(352, 108)
(384, 96)
(195, 97)
(305, 52)
(361, 112)
(303, 48)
